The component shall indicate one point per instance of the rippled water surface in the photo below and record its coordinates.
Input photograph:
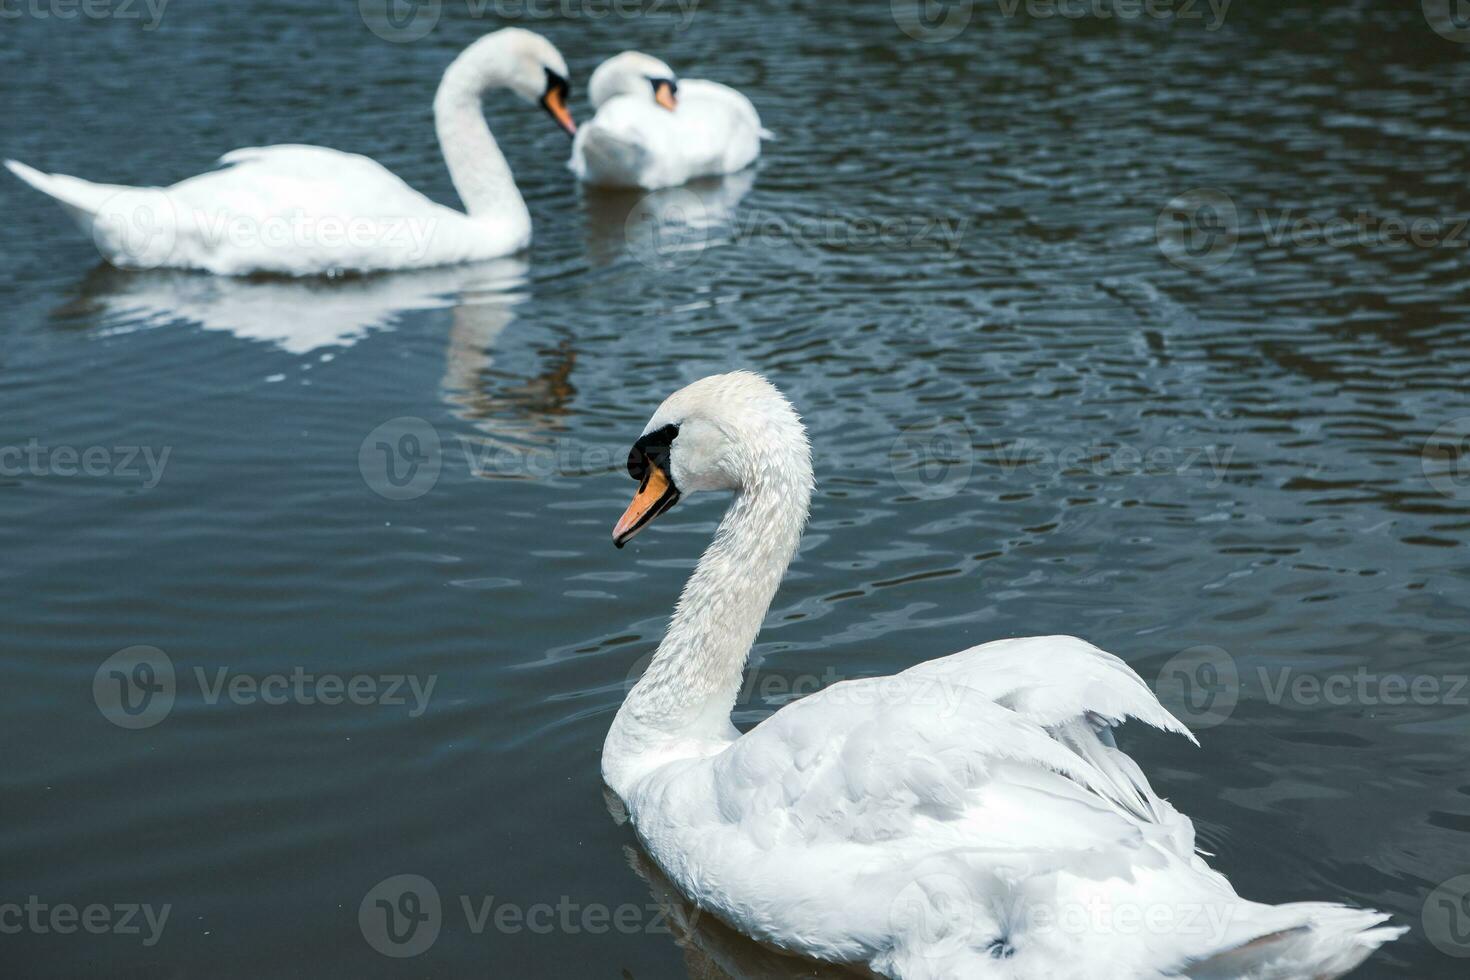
(1028, 417)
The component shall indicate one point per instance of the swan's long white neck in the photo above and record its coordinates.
(689, 689)
(479, 170)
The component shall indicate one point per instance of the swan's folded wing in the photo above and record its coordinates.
(1077, 693)
(714, 94)
(1009, 728)
(1054, 681)
(264, 182)
(883, 759)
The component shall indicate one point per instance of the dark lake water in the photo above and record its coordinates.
(1101, 326)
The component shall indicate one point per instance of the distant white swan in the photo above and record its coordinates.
(309, 210)
(653, 130)
(970, 817)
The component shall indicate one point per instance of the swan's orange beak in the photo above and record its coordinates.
(663, 94)
(655, 495)
(555, 103)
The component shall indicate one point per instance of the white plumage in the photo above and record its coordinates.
(309, 210)
(635, 140)
(969, 817)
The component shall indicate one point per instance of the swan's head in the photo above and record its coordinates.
(726, 432)
(636, 74)
(520, 60)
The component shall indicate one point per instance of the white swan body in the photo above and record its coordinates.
(652, 130)
(308, 210)
(969, 817)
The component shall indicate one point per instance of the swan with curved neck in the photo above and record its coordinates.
(655, 130)
(968, 817)
(309, 210)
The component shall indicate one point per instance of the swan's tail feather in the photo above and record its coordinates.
(766, 134)
(82, 199)
(1334, 940)
(30, 175)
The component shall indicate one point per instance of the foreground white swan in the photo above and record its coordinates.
(653, 130)
(969, 817)
(308, 210)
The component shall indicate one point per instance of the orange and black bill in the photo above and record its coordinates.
(666, 92)
(648, 463)
(555, 101)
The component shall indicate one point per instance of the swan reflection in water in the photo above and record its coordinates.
(298, 316)
(513, 411)
(712, 950)
(664, 229)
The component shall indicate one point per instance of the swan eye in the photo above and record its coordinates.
(558, 84)
(654, 447)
